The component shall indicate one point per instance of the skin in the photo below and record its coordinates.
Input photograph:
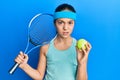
(64, 27)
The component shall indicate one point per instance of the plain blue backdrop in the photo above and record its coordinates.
(98, 21)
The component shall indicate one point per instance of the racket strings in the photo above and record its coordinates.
(41, 31)
(36, 32)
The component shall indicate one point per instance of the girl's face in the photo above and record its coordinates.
(64, 27)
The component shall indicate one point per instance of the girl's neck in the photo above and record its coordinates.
(62, 43)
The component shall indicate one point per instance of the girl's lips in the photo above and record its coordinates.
(65, 33)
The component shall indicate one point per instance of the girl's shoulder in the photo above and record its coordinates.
(44, 48)
(74, 39)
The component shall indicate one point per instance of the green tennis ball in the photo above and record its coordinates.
(81, 44)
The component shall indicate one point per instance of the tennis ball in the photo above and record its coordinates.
(81, 44)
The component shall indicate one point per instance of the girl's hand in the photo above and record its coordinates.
(82, 54)
(21, 59)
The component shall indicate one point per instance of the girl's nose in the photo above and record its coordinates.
(65, 27)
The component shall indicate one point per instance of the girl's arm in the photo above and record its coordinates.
(82, 57)
(36, 74)
(82, 72)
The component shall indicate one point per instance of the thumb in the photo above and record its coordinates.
(25, 56)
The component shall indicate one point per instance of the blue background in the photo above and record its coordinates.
(98, 21)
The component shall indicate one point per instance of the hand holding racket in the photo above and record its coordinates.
(21, 59)
(41, 31)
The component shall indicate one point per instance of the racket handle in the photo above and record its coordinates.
(12, 70)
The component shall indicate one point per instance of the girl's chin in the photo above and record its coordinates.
(65, 36)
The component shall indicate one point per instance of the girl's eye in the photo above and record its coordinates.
(60, 22)
(70, 22)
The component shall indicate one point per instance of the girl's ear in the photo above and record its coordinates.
(55, 23)
(55, 26)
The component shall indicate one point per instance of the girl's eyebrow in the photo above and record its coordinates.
(71, 20)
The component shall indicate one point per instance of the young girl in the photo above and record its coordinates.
(60, 59)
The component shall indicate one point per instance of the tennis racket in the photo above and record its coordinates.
(41, 31)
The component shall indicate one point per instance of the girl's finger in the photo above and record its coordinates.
(18, 60)
(87, 48)
(84, 51)
(25, 56)
(21, 57)
(22, 54)
(89, 45)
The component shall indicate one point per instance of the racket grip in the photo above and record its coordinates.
(12, 70)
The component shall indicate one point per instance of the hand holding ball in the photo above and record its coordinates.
(81, 44)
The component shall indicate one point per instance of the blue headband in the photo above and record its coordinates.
(65, 14)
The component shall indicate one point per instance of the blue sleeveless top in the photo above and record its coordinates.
(61, 64)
